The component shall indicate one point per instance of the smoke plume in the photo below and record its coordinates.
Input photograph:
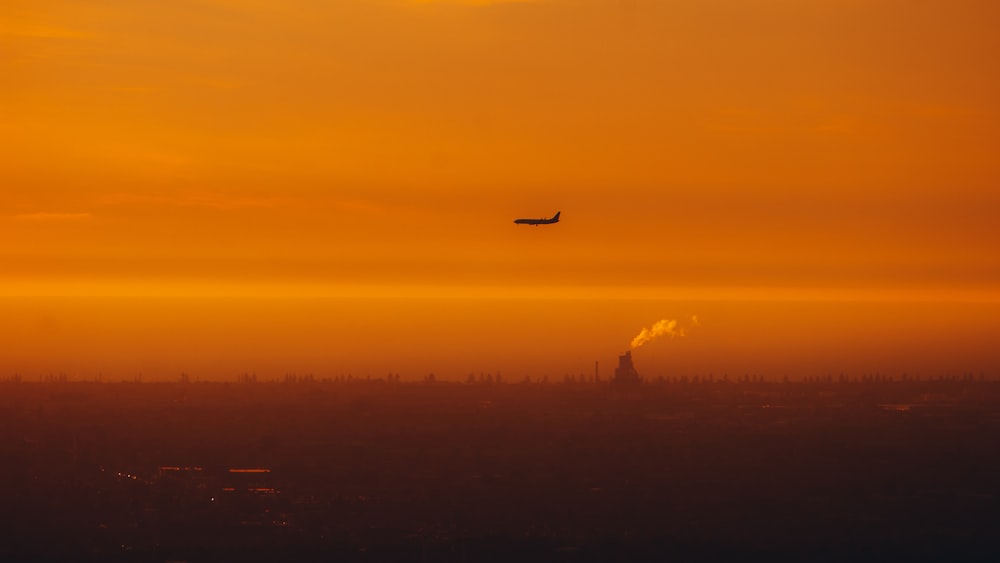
(663, 327)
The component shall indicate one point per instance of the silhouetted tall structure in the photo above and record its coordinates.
(625, 372)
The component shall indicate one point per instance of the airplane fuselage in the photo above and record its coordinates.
(536, 222)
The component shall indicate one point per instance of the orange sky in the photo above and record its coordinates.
(373, 153)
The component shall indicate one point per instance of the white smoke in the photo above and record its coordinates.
(663, 327)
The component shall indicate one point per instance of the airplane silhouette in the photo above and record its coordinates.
(536, 222)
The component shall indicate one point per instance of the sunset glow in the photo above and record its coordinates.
(216, 187)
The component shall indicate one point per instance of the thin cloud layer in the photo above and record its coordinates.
(50, 216)
(790, 144)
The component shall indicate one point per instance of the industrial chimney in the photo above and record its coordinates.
(625, 373)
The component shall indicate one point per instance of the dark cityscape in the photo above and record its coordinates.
(833, 469)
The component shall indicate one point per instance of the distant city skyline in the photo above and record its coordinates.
(217, 339)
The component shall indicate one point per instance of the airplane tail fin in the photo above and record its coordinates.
(556, 216)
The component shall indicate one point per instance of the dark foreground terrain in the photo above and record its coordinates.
(372, 471)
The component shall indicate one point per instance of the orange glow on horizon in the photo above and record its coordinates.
(365, 153)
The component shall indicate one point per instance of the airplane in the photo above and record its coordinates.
(536, 222)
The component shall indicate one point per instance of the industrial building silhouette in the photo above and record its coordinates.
(625, 373)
